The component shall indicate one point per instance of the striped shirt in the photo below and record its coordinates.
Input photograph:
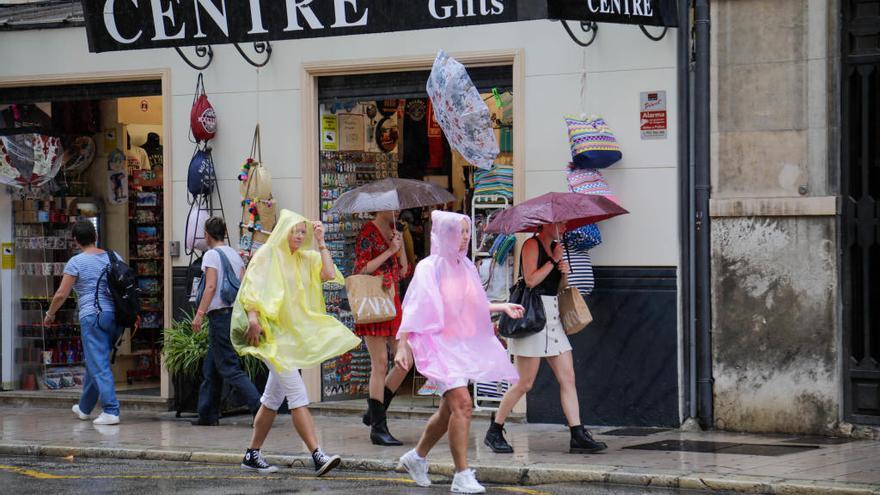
(87, 268)
(581, 275)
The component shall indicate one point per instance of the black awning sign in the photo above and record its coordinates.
(138, 24)
(645, 12)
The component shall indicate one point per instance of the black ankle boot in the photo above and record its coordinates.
(379, 433)
(495, 439)
(582, 442)
(389, 396)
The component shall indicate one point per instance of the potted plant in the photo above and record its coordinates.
(184, 352)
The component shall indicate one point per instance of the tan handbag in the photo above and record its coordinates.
(369, 301)
(573, 310)
(258, 184)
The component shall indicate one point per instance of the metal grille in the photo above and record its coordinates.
(861, 208)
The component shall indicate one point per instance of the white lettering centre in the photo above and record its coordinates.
(640, 8)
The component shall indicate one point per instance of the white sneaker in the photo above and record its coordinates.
(79, 414)
(416, 466)
(106, 419)
(466, 482)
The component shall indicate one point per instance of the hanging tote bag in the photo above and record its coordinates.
(202, 119)
(258, 214)
(369, 301)
(573, 310)
(256, 181)
(592, 142)
(534, 319)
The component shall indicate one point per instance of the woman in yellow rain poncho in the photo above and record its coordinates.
(280, 317)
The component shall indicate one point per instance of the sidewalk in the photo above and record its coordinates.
(829, 466)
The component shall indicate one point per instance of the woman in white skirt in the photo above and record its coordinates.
(544, 266)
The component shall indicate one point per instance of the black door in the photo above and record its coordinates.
(860, 226)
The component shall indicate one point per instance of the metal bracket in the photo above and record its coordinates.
(653, 37)
(202, 51)
(587, 27)
(260, 47)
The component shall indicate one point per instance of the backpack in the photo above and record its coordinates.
(202, 119)
(228, 287)
(122, 284)
(200, 177)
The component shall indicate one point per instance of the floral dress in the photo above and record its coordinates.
(368, 246)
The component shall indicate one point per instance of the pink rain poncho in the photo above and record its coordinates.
(446, 314)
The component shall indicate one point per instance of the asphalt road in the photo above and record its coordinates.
(27, 475)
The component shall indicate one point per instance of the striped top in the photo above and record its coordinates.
(87, 268)
(581, 275)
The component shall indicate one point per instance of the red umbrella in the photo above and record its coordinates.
(574, 209)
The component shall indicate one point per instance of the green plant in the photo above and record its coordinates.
(184, 350)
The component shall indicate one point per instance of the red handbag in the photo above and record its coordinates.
(202, 119)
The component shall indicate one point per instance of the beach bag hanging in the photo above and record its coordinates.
(258, 211)
(593, 144)
(202, 118)
(255, 180)
(369, 301)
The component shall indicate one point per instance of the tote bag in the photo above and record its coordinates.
(369, 301)
(573, 310)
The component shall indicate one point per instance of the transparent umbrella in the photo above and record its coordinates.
(391, 195)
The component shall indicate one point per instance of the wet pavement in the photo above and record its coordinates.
(99, 476)
(541, 450)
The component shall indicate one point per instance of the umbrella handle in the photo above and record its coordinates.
(565, 246)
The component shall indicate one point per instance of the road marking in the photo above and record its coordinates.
(526, 491)
(35, 474)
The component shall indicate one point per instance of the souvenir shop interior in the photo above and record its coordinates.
(99, 159)
(382, 125)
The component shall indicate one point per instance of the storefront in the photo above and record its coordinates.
(627, 364)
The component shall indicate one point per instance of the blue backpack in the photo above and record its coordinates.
(228, 287)
(200, 177)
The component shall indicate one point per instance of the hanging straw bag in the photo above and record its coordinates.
(256, 181)
(369, 301)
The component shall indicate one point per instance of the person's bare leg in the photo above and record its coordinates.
(527, 367)
(435, 429)
(305, 427)
(262, 424)
(378, 349)
(563, 367)
(459, 426)
(398, 374)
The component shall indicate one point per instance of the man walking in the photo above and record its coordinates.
(221, 362)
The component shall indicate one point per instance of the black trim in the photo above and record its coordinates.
(76, 92)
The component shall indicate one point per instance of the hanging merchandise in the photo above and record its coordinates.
(78, 155)
(195, 229)
(593, 144)
(202, 119)
(199, 179)
(589, 181)
(583, 238)
(29, 159)
(257, 204)
(117, 178)
(461, 112)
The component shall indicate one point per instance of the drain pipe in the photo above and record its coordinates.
(702, 185)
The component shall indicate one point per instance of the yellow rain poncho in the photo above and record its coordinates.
(285, 289)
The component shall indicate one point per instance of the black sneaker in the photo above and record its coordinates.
(253, 461)
(323, 462)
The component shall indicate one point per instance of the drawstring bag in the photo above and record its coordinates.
(202, 119)
(200, 176)
(593, 145)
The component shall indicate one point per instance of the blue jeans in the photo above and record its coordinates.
(99, 334)
(222, 364)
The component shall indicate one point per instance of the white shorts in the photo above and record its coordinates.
(443, 387)
(284, 384)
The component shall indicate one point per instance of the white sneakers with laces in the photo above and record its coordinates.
(79, 414)
(416, 466)
(466, 482)
(106, 419)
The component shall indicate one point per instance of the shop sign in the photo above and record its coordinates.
(644, 12)
(8, 255)
(139, 24)
(652, 116)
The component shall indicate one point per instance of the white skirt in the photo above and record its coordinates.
(551, 341)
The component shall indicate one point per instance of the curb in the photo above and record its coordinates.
(499, 474)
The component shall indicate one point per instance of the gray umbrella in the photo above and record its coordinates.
(391, 194)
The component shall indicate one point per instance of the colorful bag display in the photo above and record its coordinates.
(589, 181)
(202, 118)
(593, 144)
(257, 204)
(461, 112)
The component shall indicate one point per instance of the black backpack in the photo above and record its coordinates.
(122, 283)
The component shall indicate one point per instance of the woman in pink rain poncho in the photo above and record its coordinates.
(447, 327)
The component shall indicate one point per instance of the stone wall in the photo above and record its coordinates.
(775, 325)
